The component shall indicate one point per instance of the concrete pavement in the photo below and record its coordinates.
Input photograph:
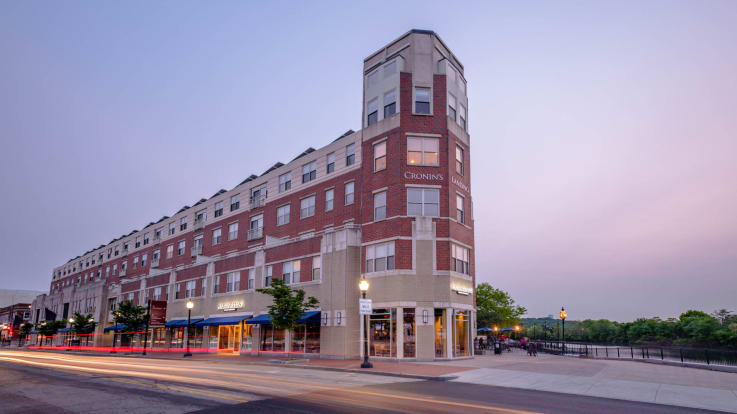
(625, 380)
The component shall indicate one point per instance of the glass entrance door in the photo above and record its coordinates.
(229, 338)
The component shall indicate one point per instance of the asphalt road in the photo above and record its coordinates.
(36, 382)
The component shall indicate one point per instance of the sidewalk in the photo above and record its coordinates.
(618, 379)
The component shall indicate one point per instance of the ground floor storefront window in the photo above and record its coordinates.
(158, 337)
(306, 339)
(229, 338)
(247, 338)
(461, 333)
(272, 339)
(440, 333)
(383, 333)
(408, 335)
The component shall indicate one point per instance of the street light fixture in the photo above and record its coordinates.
(363, 286)
(563, 315)
(190, 305)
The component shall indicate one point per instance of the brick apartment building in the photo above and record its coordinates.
(390, 203)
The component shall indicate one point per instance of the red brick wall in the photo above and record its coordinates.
(191, 272)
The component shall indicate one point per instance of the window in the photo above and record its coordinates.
(218, 209)
(233, 231)
(170, 251)
(138, 243)
(372, 79)
(130, 296)
(372, 112)
(115, 269)
(177, 289)
(459, 160)
(258, 196)
(307, 207)
(200, 217)
(145, 239)
(144, 258)
(256, 228)
(215, 284)
(157, 293)
(285, 182)
(282, 215)
(380, 206)
(423, 202)
(422, 101)
(123, 266)
(199, 241)
(462, 116)
(380, 257)
(182, 224)
(268, 277)
(422, 151)
(157, 235)
(316, 264)
(135, 262)
(390, 103)
(217, 236)
(309, 172)
(460, 209)
(172, 228)
(235, 202)
(290, 272)
(329, 199)
(331, 162)
(155, 257)
(350, 154)
(107, 271)
(349, 193)
(251, 278)
(452, 107)
(234, 282)
(460, 259)
(390, 68)
(380, 156)
(181, 247)
(189, 289)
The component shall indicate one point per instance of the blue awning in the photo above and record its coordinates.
(119, 328)
(181, 323)
(63, 330)
(484, 329)
(310, 317)
(223, 320)
(264, 319)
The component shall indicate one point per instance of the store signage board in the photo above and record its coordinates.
(158, 312)
(230, 306)
(462, 290)
(365, 306)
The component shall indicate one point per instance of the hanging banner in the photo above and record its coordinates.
(158, 312)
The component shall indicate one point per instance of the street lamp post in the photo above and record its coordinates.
(69, 335)
(563, 315)
(363, 285)
(190, 305)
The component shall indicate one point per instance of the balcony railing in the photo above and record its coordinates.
(258, 201)
(196, 251)
(256, 233)
(199, 224)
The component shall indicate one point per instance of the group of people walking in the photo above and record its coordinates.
(490, 342)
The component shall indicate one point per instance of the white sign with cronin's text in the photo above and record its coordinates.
(365, 306)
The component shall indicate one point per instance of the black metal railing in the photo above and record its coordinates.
(706, 356)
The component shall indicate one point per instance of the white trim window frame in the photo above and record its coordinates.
(423, 151)
(285, 182)
(350, 193)
(422, 100)
(307, 207)
(460, 209)
(423, 202)
(460, 256)
(380, 257)
(282, 214)
(232, 231)
(380, 156)
(329, 199)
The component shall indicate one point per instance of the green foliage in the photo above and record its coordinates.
(692, 327)
(26, 328)
(130, 315)
(288, 304)
(49, 328)
(495, 307)
(83, 324)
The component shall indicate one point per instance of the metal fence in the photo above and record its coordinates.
(704, 356)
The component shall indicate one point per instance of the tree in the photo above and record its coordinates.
(83, 324)
(50, 328)
(289, 305)
(25, 329)
(133, 318)
(496, 307)
(722, 315)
